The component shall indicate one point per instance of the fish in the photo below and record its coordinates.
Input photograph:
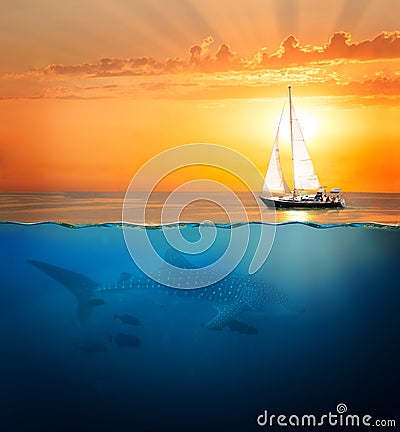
(240, 327)
(233, 296)
(92, 347)
(128, 319)
(124, 340)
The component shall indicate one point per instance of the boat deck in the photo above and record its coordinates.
(301, 202)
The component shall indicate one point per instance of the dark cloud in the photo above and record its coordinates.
(225, 56)
(195, 54)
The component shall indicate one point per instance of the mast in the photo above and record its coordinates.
(291, 132)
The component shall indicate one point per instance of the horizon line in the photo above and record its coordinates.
(158, 191)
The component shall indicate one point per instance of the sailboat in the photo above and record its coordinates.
(304, 176)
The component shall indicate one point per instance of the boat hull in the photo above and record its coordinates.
(278, 202)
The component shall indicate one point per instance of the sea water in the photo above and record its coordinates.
(342, 348)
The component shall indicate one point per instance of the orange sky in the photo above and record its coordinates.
(90, 90)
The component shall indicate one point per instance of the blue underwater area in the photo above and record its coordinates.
(341, 345)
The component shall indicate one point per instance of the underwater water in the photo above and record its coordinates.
(340, 345)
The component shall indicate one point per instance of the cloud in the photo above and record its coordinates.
(225, 57)
(340, 67)
(381, 84)
(340, 47)
(106, 67)
(198, 52)
(384, 46)
(291, 52)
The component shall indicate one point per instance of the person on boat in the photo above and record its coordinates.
(318, 196)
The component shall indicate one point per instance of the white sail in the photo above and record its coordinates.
(304, 176)
(274, 179)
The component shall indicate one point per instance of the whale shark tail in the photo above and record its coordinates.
(79, 285)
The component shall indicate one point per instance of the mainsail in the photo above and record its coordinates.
(274, 179)
(304, 176)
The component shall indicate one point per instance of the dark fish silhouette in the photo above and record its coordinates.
(92, 347)
(125, 340)
(128, 319)
(242, 328)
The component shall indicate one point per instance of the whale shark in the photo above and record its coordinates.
(233, 296)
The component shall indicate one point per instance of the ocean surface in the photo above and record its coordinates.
(163, 368)
(99, 207)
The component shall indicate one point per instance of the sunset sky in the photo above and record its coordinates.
(91, 89)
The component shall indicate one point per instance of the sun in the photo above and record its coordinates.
(308, 124)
